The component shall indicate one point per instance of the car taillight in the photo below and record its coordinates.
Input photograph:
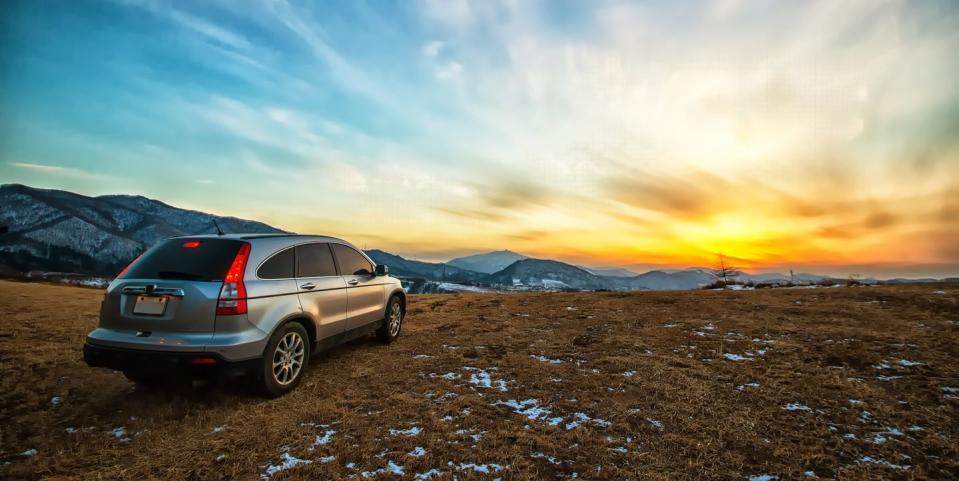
(232, 299)
(125, 269)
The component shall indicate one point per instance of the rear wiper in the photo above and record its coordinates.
(178, 275)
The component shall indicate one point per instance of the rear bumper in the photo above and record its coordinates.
(165, 363)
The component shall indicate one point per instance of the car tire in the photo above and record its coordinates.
(393, 322)
(285, 360)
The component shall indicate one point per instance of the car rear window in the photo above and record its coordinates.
(203, 259)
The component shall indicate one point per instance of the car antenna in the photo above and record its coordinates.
(218, 231)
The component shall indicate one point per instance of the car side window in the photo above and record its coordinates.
(351, 263)
(314, 260)
(280, 266)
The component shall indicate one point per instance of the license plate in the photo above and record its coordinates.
(150, 305)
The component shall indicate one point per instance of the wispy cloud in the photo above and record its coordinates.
(57, 170)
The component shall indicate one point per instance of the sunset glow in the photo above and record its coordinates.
(815, 135)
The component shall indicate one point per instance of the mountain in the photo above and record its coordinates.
(55, 230)
(488, 263)
(540, 273)
(660, 280)
(609, 272)
(435, 271)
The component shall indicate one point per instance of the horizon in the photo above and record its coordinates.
(821, 137)
(913, 272)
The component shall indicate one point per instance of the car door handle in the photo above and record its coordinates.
(308, 286)
(352, 282)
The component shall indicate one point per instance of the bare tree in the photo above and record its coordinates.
(724, 272)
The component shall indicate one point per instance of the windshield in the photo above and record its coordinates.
(205, 259)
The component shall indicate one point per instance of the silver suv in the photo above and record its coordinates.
(241, 304)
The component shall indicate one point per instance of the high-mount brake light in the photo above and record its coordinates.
(232, 299)
(125, 269)
(191, 244)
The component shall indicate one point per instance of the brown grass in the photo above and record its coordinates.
(823, 346)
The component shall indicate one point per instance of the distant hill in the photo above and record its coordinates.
(659, 280)
(434, 271)
(55, 230)
(550, 274)
(487, 263)
(609, 272)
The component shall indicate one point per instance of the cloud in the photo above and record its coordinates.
(433, 48)
(56, 170)
(448, 71)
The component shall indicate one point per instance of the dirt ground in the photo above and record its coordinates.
(849, 383)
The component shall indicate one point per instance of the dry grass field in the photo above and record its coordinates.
(847, 383)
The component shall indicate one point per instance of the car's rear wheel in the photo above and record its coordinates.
(285, 359)
(390, 329)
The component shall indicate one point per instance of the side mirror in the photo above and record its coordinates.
(382, 270)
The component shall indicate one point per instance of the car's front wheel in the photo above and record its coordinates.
(285, 359)
(390, 329)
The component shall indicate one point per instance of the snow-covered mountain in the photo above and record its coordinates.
(55, 230)
(487, 263)
(540, 273)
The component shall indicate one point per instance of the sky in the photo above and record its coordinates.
(816, 136)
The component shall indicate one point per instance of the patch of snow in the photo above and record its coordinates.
(71, 430)
(417, 452)
(743, 387)
(56, 400)
(796, 407)
(888, 378)
(447, 418)
(326, 459)
(762, 477)
(619, 449)
(324, 439)
(883, 365)
(735, 357)
(855, 402)
(908, 363)
(950, 390)
(220, 457)
(881, 462)
(289, 461)
(217, 429)
(395, 469)
(549, 459)
(480, 468)
(629, 373)
(450, 376)
(29, 452)
(432, 473)
(810, 474)
(482, 379)
(529, 408)
(413, 431)
(656, 424)
(120, 433)
(422, 356)
(550, 360)
(850, 436)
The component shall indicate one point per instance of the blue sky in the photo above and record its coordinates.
(819, 134)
